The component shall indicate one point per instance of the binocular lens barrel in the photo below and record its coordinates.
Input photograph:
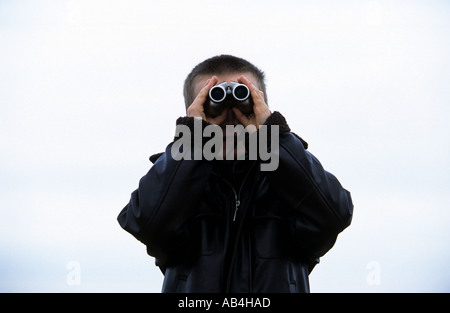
(241, 92)
(217, 93)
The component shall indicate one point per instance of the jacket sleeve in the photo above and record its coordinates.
(319, 207)
(163, 202)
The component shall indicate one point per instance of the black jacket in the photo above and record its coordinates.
(220, 226)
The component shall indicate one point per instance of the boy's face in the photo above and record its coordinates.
(227, 117)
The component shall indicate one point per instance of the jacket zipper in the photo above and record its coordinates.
(237, 204)
(237, 200)
(237, 195)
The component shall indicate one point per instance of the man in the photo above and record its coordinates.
(227, 225)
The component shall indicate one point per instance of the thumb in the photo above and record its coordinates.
(240, 116)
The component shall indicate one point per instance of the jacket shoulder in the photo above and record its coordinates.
(153, 158)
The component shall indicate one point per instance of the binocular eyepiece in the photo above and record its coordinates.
(224, 95)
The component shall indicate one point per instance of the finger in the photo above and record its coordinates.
(196, 108)
(259, 102)
(240, 116)
(260, 108)
(201, 97)
(257, 95)
(218, 119)
(243, 79)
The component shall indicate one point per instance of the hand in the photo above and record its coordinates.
(260, 109)
(196, 109)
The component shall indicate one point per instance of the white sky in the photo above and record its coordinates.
(89, 89)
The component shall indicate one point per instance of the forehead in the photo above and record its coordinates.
(200, 81)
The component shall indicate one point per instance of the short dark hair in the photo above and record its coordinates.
(219, 65)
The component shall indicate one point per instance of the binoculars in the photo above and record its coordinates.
(223, 95)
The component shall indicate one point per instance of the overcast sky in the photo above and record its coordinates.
(90, 89)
